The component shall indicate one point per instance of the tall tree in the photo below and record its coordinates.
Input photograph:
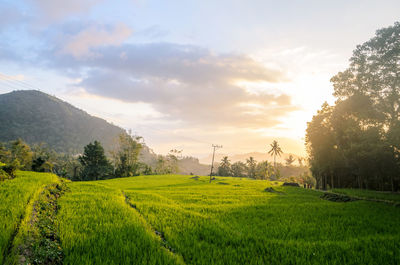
(251, 167)
(356, 142)
(95, 164)
(21, 154)
(224, 168)
(275, 151)
(126, 155)
(238, 169)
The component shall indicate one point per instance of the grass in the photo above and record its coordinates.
(370, 194)
(97, 226)
(239, 223)
(15, 195)
(174, 219)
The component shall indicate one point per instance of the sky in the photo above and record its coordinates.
(189, 74)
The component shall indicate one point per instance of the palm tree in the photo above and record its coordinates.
(275, 151)
(251, 167)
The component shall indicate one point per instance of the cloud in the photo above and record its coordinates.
(185, 82)
(56, 10)
(80, 44)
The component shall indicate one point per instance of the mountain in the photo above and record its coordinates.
(37, 117)
(256, 155)
(191, 165)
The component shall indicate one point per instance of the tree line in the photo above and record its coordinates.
(355, 143)
(265, 170)
(92, 164)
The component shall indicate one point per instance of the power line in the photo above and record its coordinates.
(19, 82)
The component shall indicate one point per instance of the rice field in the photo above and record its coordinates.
(172, 219)
(371, 194)
(15, 196)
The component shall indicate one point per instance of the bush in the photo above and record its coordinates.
(9, 170)
(3, 175)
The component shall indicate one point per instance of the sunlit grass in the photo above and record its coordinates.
(233, 221)
(15, 195)
(97, 226)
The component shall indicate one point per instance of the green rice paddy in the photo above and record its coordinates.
(173, 219)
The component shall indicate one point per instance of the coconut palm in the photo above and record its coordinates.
(251, 167)
(275, 151)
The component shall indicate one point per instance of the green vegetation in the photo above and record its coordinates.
(173, 219)
(15, 195)
(97, 226)
(355, 143)
(234, 223)
(37, 118)
(370, 194)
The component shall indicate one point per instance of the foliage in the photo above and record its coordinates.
(37, 241)
(238, 169)
(168, 164)
(275, 151)
(264, 170)
(126, 156)
(95, 164)
(224, 168)
(355, 143)
(251, 167)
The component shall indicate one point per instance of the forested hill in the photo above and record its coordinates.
(37, 117)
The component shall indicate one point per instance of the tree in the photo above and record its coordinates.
(238, 169)
(126, 156)
(95, 164)
(275, 151)
(169, 163)
(42, 159)
(290, 160)
(224, 168)
(264, 170)
(355, 143)
(21, 154)
(251, 167)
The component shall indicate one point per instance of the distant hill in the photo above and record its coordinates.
(191, 165)
(37, 117)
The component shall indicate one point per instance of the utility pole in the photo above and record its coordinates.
(212, 163)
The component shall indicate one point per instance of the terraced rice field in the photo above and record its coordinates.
(173, 219)
(16, 198)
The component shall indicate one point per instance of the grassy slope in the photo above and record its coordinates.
(370, 194)
(97, 226)
(234, 222)
(15, 195)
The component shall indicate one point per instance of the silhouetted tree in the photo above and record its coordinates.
(275, 151)
(238, 169)
(95, 164)
(224, 168)
(251, 167)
